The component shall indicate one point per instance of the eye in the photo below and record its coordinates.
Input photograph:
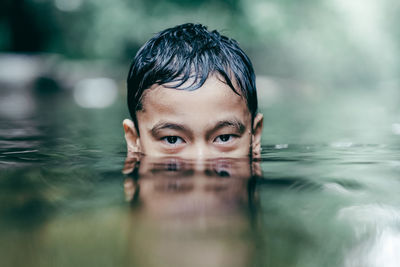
(222, 169)
(224, 138)
(172, 165)
(172, 140)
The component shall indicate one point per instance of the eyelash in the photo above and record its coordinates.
(165, 140)
(174, 140)
(230, 137)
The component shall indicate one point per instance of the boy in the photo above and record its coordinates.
(192, 94)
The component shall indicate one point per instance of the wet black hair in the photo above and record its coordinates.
(190, 53)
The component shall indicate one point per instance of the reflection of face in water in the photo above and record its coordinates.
(175, 187)
(191, 213)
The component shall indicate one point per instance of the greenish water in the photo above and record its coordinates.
(325, 192)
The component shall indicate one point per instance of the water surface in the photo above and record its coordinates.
(67, 197)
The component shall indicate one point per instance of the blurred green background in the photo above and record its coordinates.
(327, 70)
(337, 40)
(328, 86)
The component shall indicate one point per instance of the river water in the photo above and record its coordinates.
(324, 193)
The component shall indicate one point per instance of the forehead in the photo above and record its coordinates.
(214, 98)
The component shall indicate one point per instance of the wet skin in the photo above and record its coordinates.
(212, 121)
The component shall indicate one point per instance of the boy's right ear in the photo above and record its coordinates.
(131, 137)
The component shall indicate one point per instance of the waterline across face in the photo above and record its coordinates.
(212, 121)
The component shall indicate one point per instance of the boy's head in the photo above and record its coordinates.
(192, 93)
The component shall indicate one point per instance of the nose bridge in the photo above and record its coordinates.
(201, 150)
(201, 153)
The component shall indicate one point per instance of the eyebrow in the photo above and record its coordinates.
(168, 125)
(234, 123)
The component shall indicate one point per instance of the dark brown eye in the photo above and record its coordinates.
(172, 139)
(223, 138)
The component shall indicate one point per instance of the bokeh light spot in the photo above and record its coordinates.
(95, 93)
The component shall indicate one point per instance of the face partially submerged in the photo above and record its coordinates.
(212, 121)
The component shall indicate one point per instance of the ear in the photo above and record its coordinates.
(257, 133)
(130, 162)
(131, 189)
(131, 137)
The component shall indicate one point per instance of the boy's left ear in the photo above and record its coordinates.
(257, 133)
